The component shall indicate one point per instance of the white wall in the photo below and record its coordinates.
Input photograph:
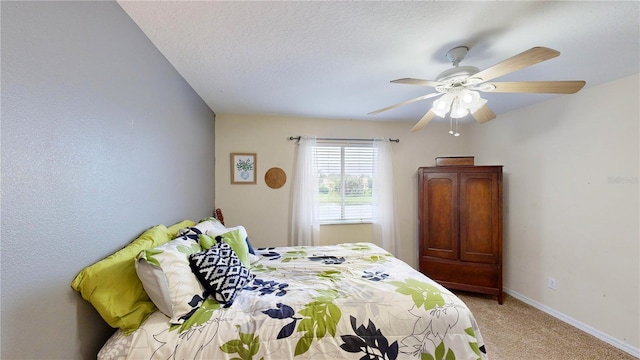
(571, 204)
(101, 139)
(265, 211)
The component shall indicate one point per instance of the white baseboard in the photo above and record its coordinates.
(586, 328)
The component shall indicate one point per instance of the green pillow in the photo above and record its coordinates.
(206, 241)
(112, 286)
(235, 239)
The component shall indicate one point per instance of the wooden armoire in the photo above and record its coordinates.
(460, 212)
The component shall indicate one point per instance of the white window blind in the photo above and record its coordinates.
(345, 175)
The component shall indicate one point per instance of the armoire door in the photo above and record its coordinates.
(479, 217)
(439, 218)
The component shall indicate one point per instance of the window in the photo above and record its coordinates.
(326, 170)
(345, 175)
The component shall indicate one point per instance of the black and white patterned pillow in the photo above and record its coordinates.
(220, 272)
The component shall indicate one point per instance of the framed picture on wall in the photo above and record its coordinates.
(243, 168)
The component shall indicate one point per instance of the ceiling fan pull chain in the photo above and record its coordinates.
(450, 122)
(451, 132)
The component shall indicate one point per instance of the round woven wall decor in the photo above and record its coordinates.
(275, 178)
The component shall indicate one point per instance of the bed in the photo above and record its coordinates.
(347, 301)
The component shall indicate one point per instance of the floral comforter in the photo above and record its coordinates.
(348, 301)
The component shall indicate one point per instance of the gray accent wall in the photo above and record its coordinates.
(100, 139)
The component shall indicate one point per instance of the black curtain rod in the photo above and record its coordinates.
(339, 139)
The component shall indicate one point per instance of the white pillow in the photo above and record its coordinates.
(207, 224)
(168, 280)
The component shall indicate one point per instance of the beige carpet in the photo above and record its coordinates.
(516, 330)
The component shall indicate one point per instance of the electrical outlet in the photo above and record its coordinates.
(552, 283)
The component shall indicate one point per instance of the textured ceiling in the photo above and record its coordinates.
(335, 59)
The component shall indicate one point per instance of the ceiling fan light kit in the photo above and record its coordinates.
(458, 103)
(459, 88)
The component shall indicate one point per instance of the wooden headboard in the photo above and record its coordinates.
(219, 216)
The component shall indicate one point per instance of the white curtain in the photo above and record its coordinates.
(385, 229)
(305, 223)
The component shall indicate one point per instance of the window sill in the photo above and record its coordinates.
(347, 222)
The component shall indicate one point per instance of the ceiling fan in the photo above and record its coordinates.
(459, 88)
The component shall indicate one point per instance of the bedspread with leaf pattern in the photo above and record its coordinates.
(348, 301)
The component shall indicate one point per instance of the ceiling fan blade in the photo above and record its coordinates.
(421, 82)
(484, 114)
(517, 62)
(424, 121)
(405, 103)
(545, 87)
